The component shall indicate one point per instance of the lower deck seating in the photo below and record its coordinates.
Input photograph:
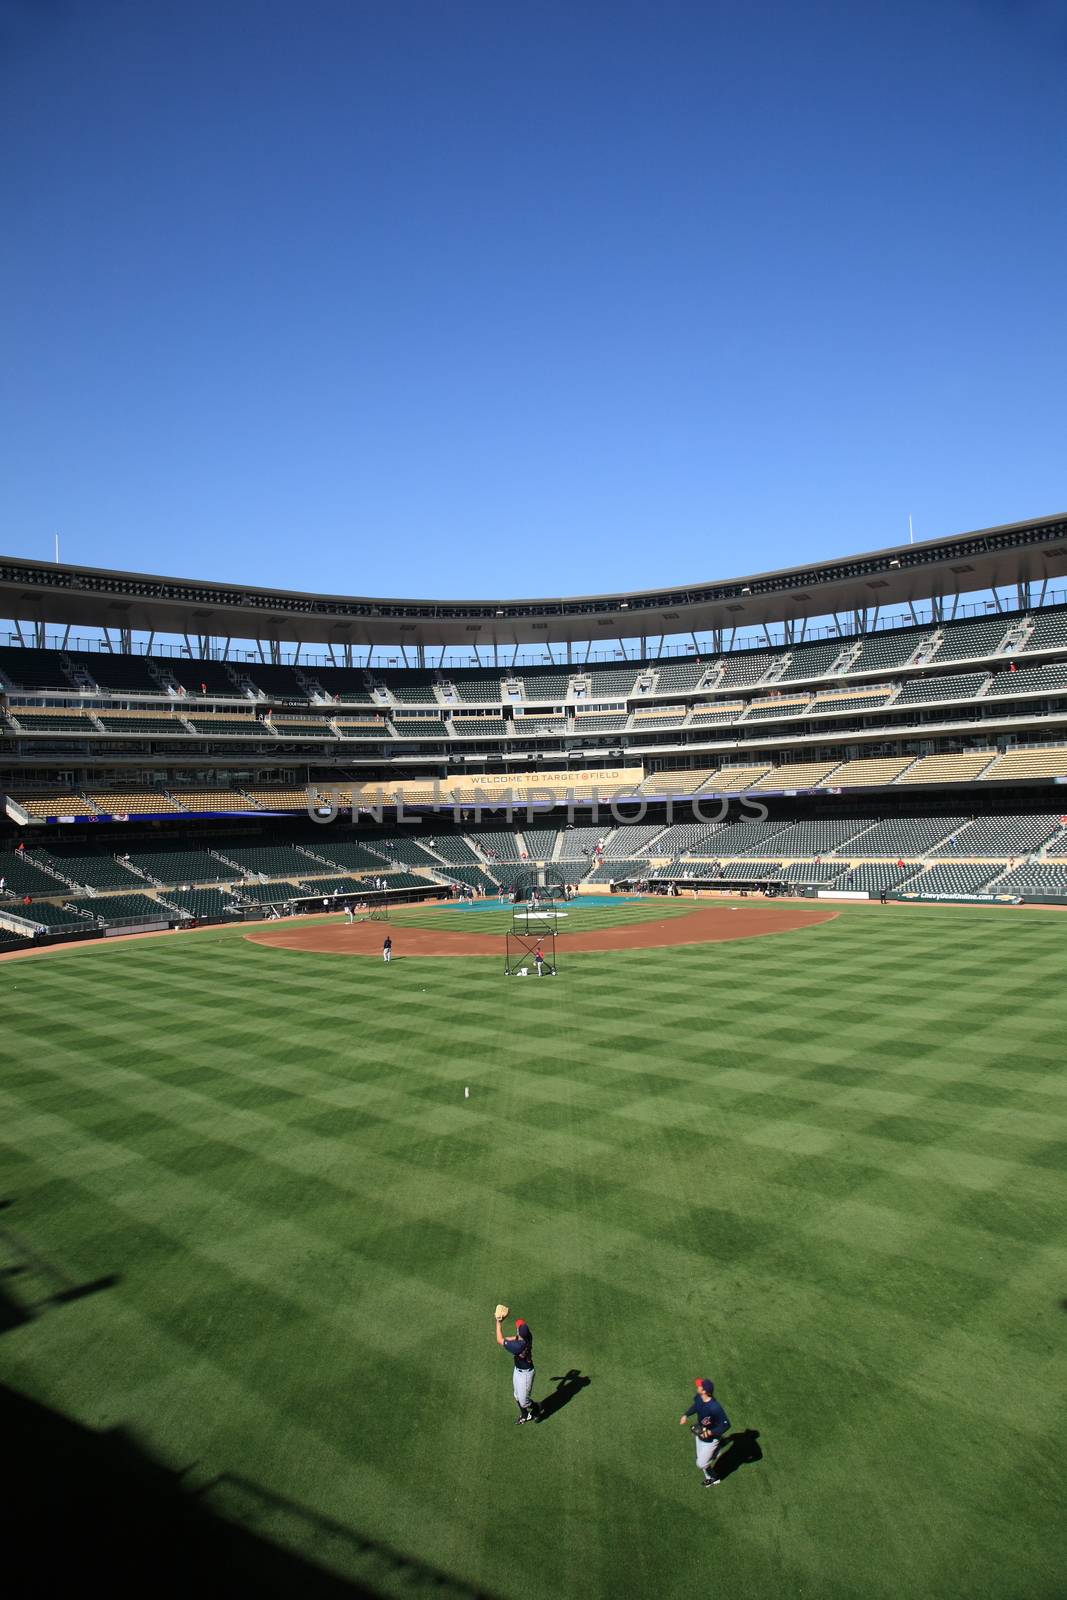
(1036, 877)
(200, 903)
(962, 877)
(122, 908)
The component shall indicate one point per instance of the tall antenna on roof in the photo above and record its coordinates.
(911, 530)
(57, 549)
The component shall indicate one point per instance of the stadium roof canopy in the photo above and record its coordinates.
(1019, 554)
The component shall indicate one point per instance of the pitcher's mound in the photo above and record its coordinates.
(703, 925)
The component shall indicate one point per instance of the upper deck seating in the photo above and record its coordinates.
(27, 668)
(896, 647)
(346, 685)
(212, 799)
(745, 667)
(611, 683)
(980, 637)
(676, 780)
(707, 713)
(543, 684)
(812, 660)
(594, 722)
(199, 678)
(528, 727)
(1049, 630)
(476, 688)
(309, 727)
(734, 780)
(857, 699)
(229, 723)
(276, 681)
(115, 673)
(680, 676)
(474, 726)
(414, 688)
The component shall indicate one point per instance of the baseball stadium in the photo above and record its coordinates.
(723, 1031)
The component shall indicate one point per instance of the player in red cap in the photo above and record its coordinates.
(710, 1426)
(520, 1348)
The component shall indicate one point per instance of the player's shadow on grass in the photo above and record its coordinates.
(739, 1450)
(567, 1386)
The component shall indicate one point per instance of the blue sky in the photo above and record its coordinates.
(459, 299)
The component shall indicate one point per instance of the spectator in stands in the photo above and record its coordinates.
(3, 883)
(27, 900)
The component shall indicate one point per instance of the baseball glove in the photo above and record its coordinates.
(501, 1312)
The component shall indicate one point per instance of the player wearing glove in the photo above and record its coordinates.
(520, 1348)
(709, 1428)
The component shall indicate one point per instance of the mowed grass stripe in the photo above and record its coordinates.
(328, 1128)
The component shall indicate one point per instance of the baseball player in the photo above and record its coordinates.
(387, 949)
(520, 1348)
(709, 1428)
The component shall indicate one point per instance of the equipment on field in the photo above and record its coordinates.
(539, 898)
(501, 1312)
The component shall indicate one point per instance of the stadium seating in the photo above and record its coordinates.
(1049, 630)
(962, 877)
(345, 685)
(868, 877)
(414, 689)
(212, 800)
(498, 846)
(280, 683)
(337, 887)
(744, 668)
(610, 683)
(53, 720)
(749, 838)
(26, 668)
(24, 873)
(579, 842)
(658, 717)
(117, 908)
(812, 660)
(587, 722)
(1035, 877)
(795, 775)
(960, 767)
(778, 706)
(199, 903)
(215, 723)
(346, 854)
(631, 841)
(474, 877)
(454, 848)
(543, 685)
(686, 780)
(981, 637)
(182, 866)
(619, 871)
(822, 873)
(1050, 679)
(130, 802)
(840, 700)
(684, 838)
(143, 723)
(733, 780)
(906, 837)
(42, 803)
(420, 727)
(540, 842)
(707, 715)
(529, 727)
(267, 894)
(1001, 836)
(869, 771)
(397, 848)
(281, 798)
(475, 727)
(290, 727)
(1044, 761)
(82, 865)
(957, 686)
(818, 836)
(266, 860)
(56, 919)
(748, 871)
(114, 673)
(881, 652)
(199, 678)
(476, 688)
(677, 677)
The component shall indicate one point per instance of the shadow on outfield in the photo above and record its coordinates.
(37, 1284)
(93, 1510)
(741, 1450)
(570, 1384)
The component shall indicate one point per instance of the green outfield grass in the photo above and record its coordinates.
(826, 1169)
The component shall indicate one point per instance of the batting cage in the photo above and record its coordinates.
(539, 899)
